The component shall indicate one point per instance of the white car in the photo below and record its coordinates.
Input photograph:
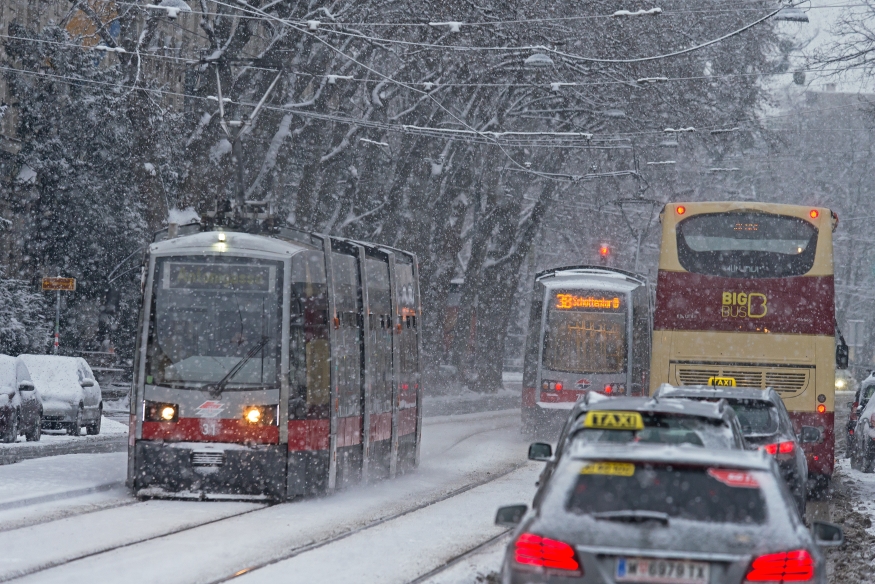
(71, 396)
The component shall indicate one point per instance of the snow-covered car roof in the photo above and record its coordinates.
(714, 410)
(708, 391)
(642, 452)
(46, 366)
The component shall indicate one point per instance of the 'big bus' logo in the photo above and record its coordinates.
(744, 305)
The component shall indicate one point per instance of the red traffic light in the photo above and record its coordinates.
(604, 250)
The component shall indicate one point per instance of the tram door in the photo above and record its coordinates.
(408, 354)
(347, 361)
(380, 367)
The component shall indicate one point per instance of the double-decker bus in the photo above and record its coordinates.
(273, 363)
(745, 297)
(589, 330)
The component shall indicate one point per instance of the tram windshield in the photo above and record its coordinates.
(586, 333)
(212, 314)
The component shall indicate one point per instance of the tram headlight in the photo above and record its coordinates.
(260, 415)
(160, 412)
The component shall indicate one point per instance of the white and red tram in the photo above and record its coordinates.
(273, 364)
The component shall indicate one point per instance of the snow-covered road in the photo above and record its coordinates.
(394, 531)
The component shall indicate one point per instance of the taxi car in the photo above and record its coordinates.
(663, 514)
(628, 420)
(766, 425)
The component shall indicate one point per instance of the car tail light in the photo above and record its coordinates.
(795, 566)
(780, 448)
(550, 554)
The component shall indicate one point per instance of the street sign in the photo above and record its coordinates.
(59, 284)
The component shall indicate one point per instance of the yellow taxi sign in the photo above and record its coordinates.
(617, 469)
(721, 381)
(611, 420)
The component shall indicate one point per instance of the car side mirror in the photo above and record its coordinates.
(540, 451)
(827, 534)
(510, 516)
(87, 383)
(842, 354)
(810, 435)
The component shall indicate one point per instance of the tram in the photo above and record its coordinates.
(273, 363)
(589, 331)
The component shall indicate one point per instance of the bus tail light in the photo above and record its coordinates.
(821, 409)
(681, 209)
(534, 550)
(814, 214)
(795, 566)
(160, 412)
(552, 385)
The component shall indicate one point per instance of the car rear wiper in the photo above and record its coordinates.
(633, 516)
(217, 388)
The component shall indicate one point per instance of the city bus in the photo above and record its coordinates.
(589, 331)
(273, 363)
(745, 297)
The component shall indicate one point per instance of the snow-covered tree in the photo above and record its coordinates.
(23, 324)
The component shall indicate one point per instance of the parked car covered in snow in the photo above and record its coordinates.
(71, 396)
(21, 408)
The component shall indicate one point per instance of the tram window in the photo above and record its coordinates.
(585, 342)
(207, 314)
(381, 338)
(746, 245)
(310, 356)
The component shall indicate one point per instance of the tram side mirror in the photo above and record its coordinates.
(842, 356)
(809, 435)
(827, 534)
(510, 516)
(541, 452)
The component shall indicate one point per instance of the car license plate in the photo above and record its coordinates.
(658, 571)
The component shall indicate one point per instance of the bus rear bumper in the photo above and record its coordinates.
(192, 470)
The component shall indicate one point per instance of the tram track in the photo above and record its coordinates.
(302, 549)
(452, 562)
(370, 525)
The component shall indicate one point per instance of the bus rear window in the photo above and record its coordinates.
(746, 245)
(612, 489)
(585, 336)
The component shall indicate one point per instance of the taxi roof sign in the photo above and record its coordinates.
(59, 284)
(721, 381)
(613, 420)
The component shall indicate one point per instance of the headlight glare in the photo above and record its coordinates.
(260, 415)
(160, 412)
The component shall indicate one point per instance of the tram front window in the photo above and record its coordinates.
(208, 316)
(586, 333)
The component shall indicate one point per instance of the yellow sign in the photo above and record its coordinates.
(721, 381)
(617, 469)
(744, 305)
(62, 284)
(607, 420)
(567, 301)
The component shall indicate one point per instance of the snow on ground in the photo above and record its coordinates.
(456, 452)
(108, 427)
(852, 506)
(481, 567)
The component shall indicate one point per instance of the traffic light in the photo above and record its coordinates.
(604, 253)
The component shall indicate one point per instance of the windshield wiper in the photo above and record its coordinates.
(633, 516)
(217, 388)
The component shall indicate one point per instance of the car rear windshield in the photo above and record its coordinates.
(666, 429)
(755, 416)
(712, 495)
(744, 244)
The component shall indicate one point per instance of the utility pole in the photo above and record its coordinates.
(236, 138)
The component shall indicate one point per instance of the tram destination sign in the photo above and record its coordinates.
(59, 284)
(216, 276)
(568, 301)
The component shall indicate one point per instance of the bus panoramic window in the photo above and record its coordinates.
(207, 315)
(746, 245)
(586, 341)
